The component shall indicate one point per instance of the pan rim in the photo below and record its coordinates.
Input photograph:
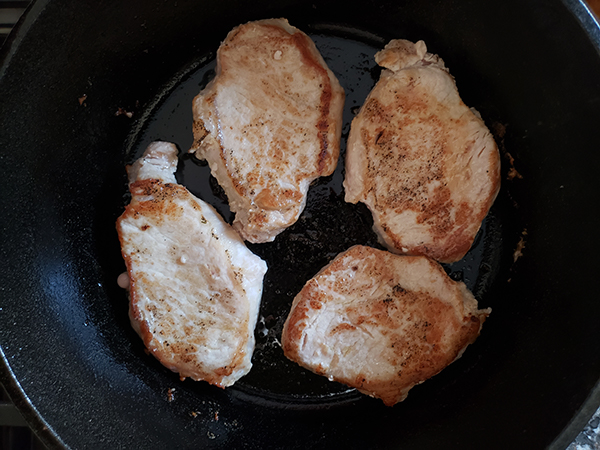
(591, 27)
(588, 21)
(22, 402)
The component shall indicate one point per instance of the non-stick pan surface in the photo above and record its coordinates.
(73, 71)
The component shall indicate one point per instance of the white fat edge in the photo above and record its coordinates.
(211, 152)
(233, 242)
(251, 267)
(410, 270)
(204, 112)
(159, 162)
(278, 221)
(355, 160)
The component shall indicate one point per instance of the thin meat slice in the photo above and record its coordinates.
(381, 322)
(268, 124)
(195, 288)
(422, 161)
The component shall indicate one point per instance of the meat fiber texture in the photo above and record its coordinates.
(195, 288)
(422, 161)
(268, 124)
(381, 322)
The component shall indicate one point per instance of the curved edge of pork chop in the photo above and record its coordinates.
(407, 66)
(381, 323)
(264, 211)
(194, 288)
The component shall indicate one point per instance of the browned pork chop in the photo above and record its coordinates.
(381, 322)
(268, 124)
(422, 161)
(195, 288)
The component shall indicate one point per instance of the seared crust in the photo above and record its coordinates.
(268, 124)
(422, 161)
(195, 288)
(380, 322)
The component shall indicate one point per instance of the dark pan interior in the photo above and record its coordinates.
(79, 372)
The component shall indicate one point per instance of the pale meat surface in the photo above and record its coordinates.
(381, 322)
(268, 124)
(195, 288)
(422, 161)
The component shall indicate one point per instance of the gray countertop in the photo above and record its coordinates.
(589, 438)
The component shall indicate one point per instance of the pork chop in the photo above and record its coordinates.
(381, 322)
(195, 288)
(422, 161)
(268, 124)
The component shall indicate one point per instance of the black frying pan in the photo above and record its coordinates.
(77, 370)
